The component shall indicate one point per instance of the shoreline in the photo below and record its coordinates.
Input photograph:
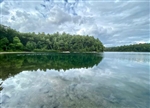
(67, 52)
(14, 52)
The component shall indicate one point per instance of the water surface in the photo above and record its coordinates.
(48, 80)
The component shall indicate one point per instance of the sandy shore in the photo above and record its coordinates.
(14, 52)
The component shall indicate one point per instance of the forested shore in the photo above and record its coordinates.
(14, 41)
(145, 47)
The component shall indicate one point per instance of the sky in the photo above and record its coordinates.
(114, 22)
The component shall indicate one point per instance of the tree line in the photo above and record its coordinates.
(12, 40)
(142, 47)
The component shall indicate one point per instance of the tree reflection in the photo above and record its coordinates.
(12, 64)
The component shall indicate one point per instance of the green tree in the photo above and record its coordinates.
(17, 45)
(14, 40)
(31, 45)
(4, 44)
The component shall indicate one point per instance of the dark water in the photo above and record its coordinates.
(48, 80)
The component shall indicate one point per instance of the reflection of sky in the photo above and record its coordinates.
(143, 57)
(110, 84)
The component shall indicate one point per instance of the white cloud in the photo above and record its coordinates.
(113, 22)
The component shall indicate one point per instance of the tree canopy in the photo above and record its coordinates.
(12, 40)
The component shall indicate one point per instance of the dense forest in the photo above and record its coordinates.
(145, 47)
(12, 40)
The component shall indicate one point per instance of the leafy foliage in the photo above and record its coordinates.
(12, 40)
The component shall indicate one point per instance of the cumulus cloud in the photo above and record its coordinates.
(114, 22)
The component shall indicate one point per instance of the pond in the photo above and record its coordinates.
(50, 80)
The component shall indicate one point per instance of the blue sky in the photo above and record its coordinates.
(114, 22)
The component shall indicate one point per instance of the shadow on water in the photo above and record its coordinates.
(12, 64)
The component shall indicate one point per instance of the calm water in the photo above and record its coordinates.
(48, 80)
